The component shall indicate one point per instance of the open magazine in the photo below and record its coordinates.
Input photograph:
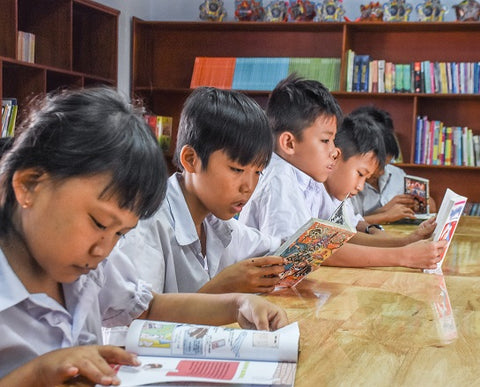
(187, 353)
(312, 244)
(419, 188)
(448, 217)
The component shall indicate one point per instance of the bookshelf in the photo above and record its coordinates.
(76, 44)
(163, 55)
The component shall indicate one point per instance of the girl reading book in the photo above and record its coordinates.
(82, 171)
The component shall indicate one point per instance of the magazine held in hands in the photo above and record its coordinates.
(189, 353)
(448, 217)
(312, 244)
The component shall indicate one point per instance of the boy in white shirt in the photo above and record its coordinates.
(282, 202)
(192, 243)
(383, 199)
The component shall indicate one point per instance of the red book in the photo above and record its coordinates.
(213, 71)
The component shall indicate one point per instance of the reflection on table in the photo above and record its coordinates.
(391, 327)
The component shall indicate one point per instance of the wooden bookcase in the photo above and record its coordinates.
(163, 55)
(76, 44)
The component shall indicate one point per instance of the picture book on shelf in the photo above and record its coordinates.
(312, 244)
(448, 217)
(190, 353)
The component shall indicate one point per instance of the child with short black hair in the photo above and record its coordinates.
(83, 170)
(383, 199)
(290, 191)
(192, 243)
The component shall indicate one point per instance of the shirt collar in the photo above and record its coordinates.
(304, 181)
(183, 225)
(12, 290)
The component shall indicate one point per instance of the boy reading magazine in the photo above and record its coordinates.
(447, 220)
(312, 244)
(173, 352)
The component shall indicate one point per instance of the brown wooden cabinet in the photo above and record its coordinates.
(76, 44)
(163, 55)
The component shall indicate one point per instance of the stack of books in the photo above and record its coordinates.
(262, 73)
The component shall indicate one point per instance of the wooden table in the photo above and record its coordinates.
(390, 327)
(374, 327)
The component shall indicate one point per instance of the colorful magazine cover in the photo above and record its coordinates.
(312, 244)
(448, 217)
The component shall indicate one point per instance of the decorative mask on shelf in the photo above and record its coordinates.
(330, 10)
(276, 11)
(431, 10)
(212, 10)
(372, 11)
(396, 10)
(302, 10)
(249, 10)
(467, 10)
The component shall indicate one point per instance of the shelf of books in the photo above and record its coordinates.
(419, 72)
(47, 45)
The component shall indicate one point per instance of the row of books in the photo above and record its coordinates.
(162, 129)
(472, 209)
(26, 46)
(365, 74)
(9, 116)
(261, 73)
(438, 144)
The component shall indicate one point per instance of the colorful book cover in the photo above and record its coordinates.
(311, 245)
(418, 187)
(448, 217)
(213, 71)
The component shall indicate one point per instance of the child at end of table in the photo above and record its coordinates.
(361, 153)
(82, 171)
(304, 117)
(383, 199)
(192, 243)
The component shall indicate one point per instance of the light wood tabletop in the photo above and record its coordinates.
(374, 327)
(390, 327)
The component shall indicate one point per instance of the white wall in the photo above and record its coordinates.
(188, 10)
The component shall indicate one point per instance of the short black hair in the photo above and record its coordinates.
(358, 135)
(296, 103)
(214, 119)
(85, 132)
(385, 123)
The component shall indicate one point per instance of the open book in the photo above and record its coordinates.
(419, 188)
(312, 244)
(187, 353)
(447, 220)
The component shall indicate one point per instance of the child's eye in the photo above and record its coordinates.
(97, 223)
(325, 141)
(360, 174)
(238, 170)
(259, 173)
(120, 234)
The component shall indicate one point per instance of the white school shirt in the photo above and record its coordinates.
(329, 204)
(390, 184)
(33, 324)
(166, 248)
(283, 201)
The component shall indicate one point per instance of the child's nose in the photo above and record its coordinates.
(102, 248)
(249, 183)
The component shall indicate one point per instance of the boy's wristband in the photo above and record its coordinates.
(367, 229)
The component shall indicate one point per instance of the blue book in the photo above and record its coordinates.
(418, 140)
(364, 71)
(357, 61)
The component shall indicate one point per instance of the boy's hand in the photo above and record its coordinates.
(255, 312)
(253, 275)
(398, 211)
(89, 361)
(424, 229)
(423, 254)
(404, 200)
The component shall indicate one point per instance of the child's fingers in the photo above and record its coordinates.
(98, 370)
(267, 261)
(116, 355)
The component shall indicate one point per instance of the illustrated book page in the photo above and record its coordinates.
(312, 244)
(179, 353)
(448, 217)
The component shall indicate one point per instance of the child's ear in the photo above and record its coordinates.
(189, 159)
(25, 183)
(286, 142)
